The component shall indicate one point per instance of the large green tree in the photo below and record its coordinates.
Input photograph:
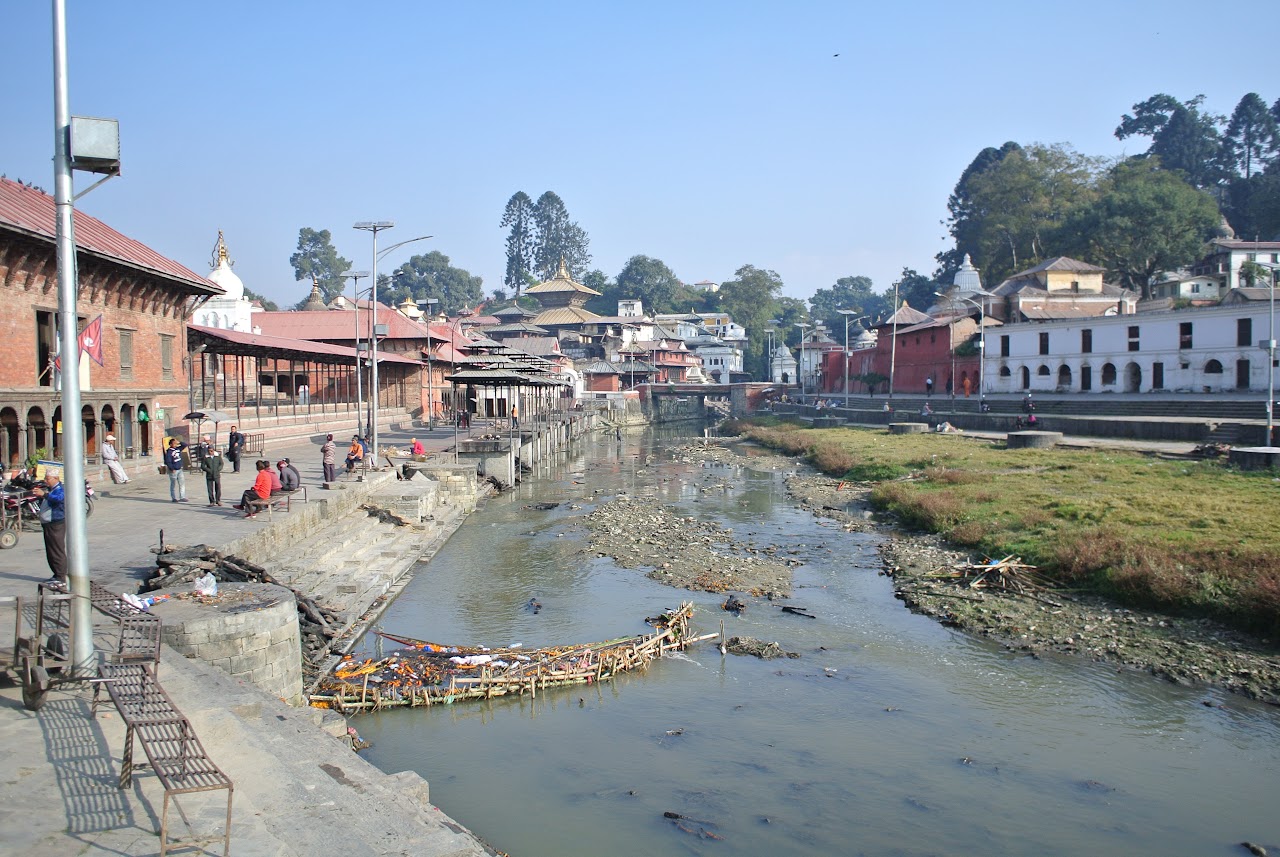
(518, 219)
(964, 214)
(1253, 205)
(750, 299)
(854, 293)
(650, 281)
(431, 275)
(1018, 202)
(316, 257)
(557, 237)
(1145, 221)
(913, 288)
(1251, 140)
(1183, 136)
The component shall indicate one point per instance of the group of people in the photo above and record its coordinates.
(284, 479)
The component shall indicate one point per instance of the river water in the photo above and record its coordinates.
(891, 735)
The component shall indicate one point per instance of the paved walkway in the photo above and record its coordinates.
(297, 789)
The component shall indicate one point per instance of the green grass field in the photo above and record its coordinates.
(1193, 538)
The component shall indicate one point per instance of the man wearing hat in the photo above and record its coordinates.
(112, 459)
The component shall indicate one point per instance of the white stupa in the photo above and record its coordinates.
(231, 310)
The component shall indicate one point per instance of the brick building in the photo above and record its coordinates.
(140, 392)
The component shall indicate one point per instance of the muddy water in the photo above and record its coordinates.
(890, 735)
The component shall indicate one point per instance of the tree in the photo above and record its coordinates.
(915, 289)
(1016, 203)
(650, 281)
(1251, 139)
(1184, 137)
(316, 257)
(1145, 221)
(847, 293)
(558, 238)
(518, 217)
(267, 304)
(1252, 205)
(750, 299)
(432, 276)
(1251, 273)
(964, 217)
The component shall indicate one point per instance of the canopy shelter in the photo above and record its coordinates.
(490, 393)
(234, 370)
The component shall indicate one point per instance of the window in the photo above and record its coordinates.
(166, 357)
(46, 340)
(1244, 332)
(1043, 371)
(1075, 285)
(1133, 337)
(1004, 345)
(1195, 288)
(1184, 335)
(1086, 341)
(126, 354)
(1044, 342)
(1213, 367)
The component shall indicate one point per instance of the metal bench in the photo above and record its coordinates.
(138, 637)
(168, 740)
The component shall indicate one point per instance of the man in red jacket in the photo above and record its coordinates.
(261, 489)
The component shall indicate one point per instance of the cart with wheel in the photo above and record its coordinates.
(39, 652)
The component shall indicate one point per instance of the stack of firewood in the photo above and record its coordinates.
(182, 566)
(1010, 574)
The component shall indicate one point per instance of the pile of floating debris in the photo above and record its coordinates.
(426, 673)
(1010, 574)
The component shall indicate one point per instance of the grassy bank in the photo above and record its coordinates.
(1192, 538)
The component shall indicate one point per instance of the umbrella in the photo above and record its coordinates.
(212, 416)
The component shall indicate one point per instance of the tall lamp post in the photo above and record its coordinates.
(982, 339)
(355, 277)
(893, 345)
(431, 393)
(804, 331)
(374, 227)
(1271, 355)
(847, 313)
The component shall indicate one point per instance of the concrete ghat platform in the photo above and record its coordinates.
(1255, 457)
(1034, 439)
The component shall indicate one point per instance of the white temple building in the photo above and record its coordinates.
(231, 310)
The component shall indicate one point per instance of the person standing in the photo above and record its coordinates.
(211, 464)
(928, 386)
(177, 476)
(53, 508)
(515, 416)
(968, 386)
(112, 459)
(235, 445)
(329, 459)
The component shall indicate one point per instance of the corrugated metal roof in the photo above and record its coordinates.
(339, 324)
(564, 315)
(31, 212)
(300, 347)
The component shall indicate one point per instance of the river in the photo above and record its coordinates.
(891, 735)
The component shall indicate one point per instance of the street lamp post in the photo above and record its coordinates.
(1271, 356)
(982, 340)
(804, 326)
(893, 345)
(374, 227)
(847, 313)
(431, 393)
(355, 277)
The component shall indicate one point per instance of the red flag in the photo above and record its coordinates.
(91, 340)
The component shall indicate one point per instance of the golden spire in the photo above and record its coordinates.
(220, 253)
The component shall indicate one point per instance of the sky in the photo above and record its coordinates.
(815, 139)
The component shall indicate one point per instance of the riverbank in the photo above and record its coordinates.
(1185, 651)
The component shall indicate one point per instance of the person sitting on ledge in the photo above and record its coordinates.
(355, 454)
(260, 490)
(288, 476)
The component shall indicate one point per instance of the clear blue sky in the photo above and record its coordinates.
(709, 135)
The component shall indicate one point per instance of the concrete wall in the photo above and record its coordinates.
(258, 644)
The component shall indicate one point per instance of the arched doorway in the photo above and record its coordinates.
(90, 420)
(1133, 378)
(9, 425)
(1064, 378)
(37, 432)
(1108, 374)
(1026, 377)
(144, 430)
(126, 430)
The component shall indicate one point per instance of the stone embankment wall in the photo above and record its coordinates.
(253, 632)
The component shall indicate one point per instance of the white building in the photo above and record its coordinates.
(1202, 349)
(1228, 255)
(231, 310)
